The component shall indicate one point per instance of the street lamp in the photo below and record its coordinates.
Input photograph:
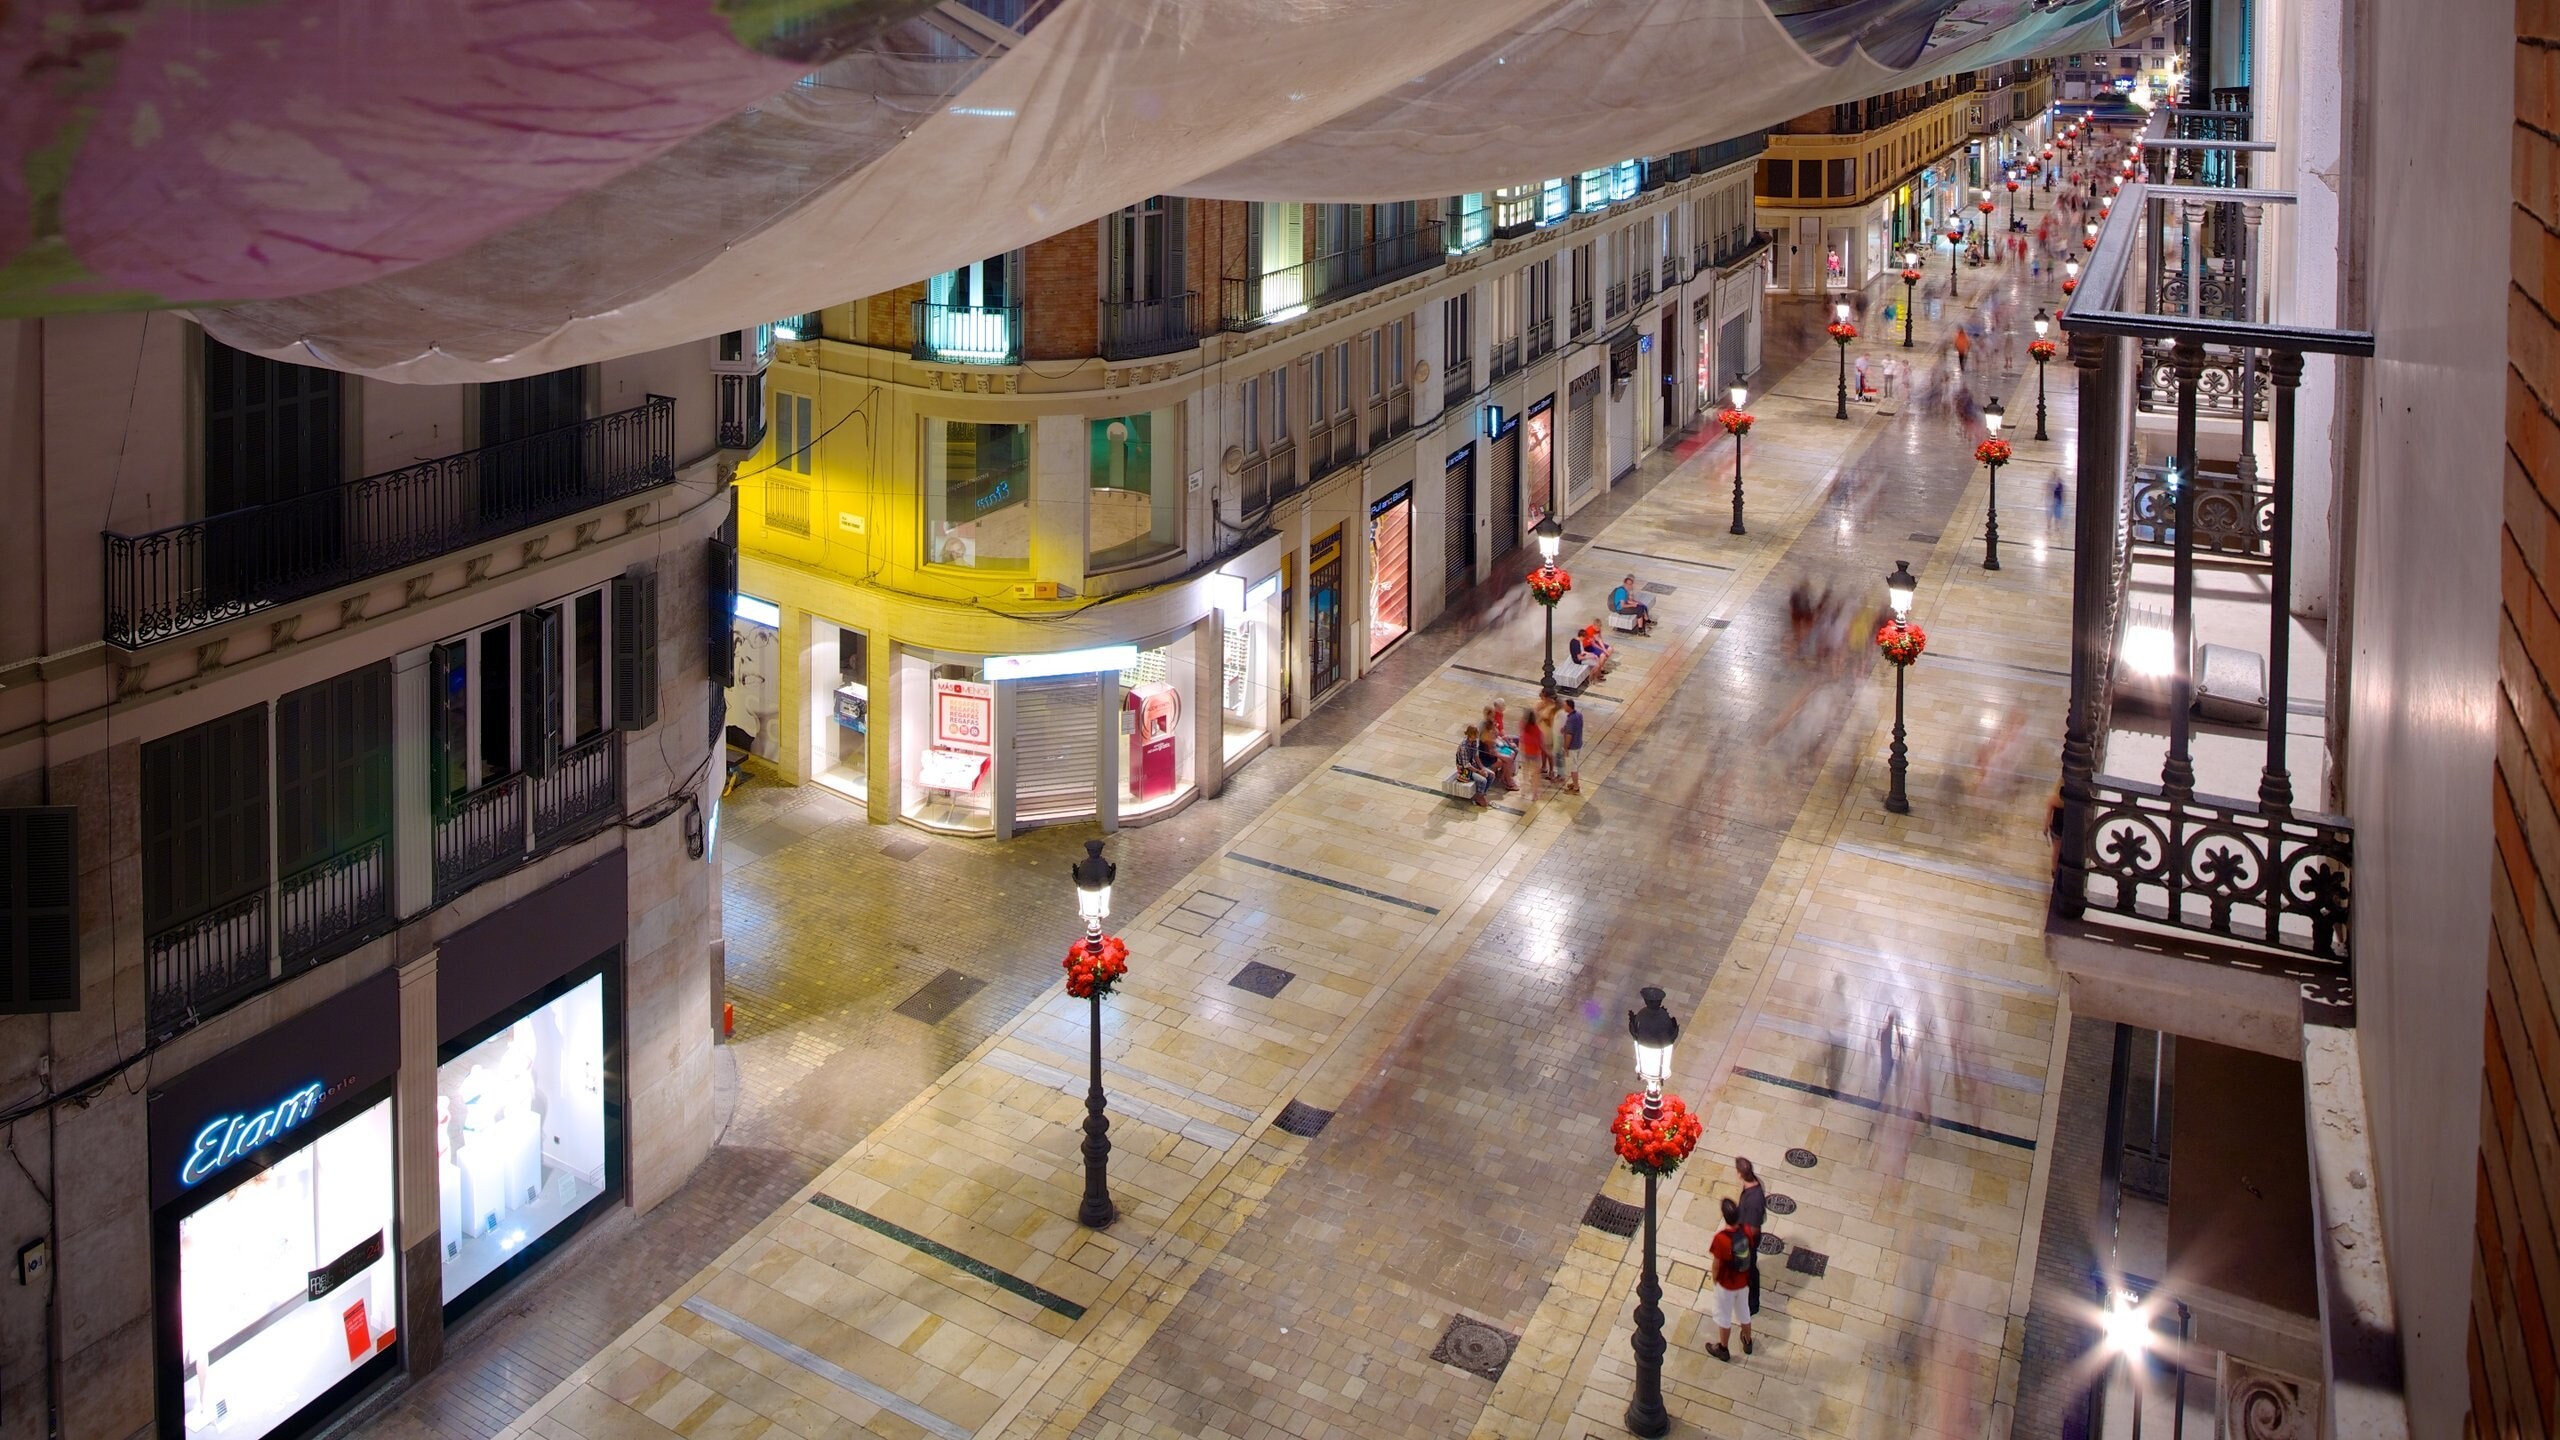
(1955, 240)
(1737, 423)
(2013, 199)
(2126, 1327)
(1901, 641)
(1654, 1030)
(2042, 349)
(1843, 332)
(1910, 278)
(2070, 276)
(1993, 452)
(1550, 539)
(1093, 875)
(2089, 236)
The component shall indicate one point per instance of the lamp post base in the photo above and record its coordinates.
(1991, 525)
(1547, 679)
(2040, 435)
(1097, 1211)
(1897, 797)
(1645, 1415)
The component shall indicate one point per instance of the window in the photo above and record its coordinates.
(1458, 333)
(1542, 292)
(1840, 184)
(476, 724)
(1809, 179)
(204, 820)
(1594, 185)
(1134, 495)
(2159, 42)
(976, 480)
(271, 430)
(333, 768)
(793, 441)
(1515, 208)
(1553, 203)
(1145, 253)
(39, 919)
(1249, 414)
(1279, 258)
(1474, 222)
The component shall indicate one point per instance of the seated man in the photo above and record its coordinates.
(1471, 766)
(1585, 648)
(1623, 601)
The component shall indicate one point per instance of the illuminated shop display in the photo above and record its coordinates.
(520, 1132)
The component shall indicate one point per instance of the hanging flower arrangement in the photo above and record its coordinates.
(1654, 1144)
(1094, 967)
(1901, 641)
(2043, 350)
(1548, 584)
(1992, 452)
(1735, 422)
(1910, 277)
(1842, 331)
(2069, 285)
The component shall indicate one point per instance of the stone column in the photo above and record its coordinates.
(419, 1200)
(413, 826)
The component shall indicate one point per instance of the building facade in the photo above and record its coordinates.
(1847, 192)
(1072, 533)
(357, 739)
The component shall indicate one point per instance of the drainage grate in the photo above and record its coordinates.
(1613, 1217)
(903, 848)
(1475, 1347)
(1303, 1120)
(1263, 980)
(1808, 1262)
(1771, 1244)
(1802, 1159)
(940, 996)
(1656, 587)
(1782, 1204)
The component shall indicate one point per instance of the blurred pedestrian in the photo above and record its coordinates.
(1733, 1252)
(1754, 1205)
(1572, 747)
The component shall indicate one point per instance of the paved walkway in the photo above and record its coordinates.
(1362, 1070)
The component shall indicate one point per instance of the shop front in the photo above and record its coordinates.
(528, 1117)
(1390, 568)
(1538, 463)
(274, 1252)
(1324, 615)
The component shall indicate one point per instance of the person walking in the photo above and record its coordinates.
(1572, 747)
(1733, 1252)
(1533, 753)
(1964, 346)
(1754, 1205)
(1889, 1048)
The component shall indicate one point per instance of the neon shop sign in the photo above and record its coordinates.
(228, 1137)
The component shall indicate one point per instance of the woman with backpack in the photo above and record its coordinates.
(1754, 1205)
(1736, 1255)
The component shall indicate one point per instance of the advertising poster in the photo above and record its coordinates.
(1537, 468)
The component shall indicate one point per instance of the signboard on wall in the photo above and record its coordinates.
(964, 715)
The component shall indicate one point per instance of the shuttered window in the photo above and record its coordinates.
(204, 818)
(635, 649)
(39, 911)
(333, 767)
(271, 430)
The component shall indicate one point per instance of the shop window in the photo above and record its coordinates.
(754, 695)
(1134, 494)
(285, 1283)
(947, 739)
(845, 727)
(1390, 569)
(977, 480)
(1156, 734)
(524, 1139)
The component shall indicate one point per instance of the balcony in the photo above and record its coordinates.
(1390, 415)
(1617, 300)
(1505, 357)
(742, 411)
(1582, 316)
(1643, 282)
(202, 966)
(1542, 337)
(1268, 477)
(1461, 381)
(332, 907)
(1135, 329)
(186, 577)
(1248, 302)
(499, 826)
(968, 334)
(2214, 859)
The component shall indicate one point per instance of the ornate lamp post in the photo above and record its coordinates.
(1737, 423)
(2070, 276)
(1985, 206)
(1993, 452)
(1654, 1133)
(1094, 965)
(2089, 236)
(2043, 351)
(2013, 199)
(2048, 167)
(1955, 244)
(1843, 332)
(1901, 641)
(1910, 279)
(1547, 585)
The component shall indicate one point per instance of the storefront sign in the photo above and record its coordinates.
(964, 711)
(756, 611)
(1059, 662)
(343, 1269)
(228, 1137)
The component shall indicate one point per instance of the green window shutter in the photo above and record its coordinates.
(635, 648)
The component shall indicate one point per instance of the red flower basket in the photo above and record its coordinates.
(1910, 277)
(1983, 205)
(1094, 967)
(1992, 452)
(1842, 331)
(1654, 1144)
(2043, 350)
(1548, 584)
(1735, 422)
(2070, 285)
(2013, 187)
(1901, 641)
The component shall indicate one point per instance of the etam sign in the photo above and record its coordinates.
(228, 1137)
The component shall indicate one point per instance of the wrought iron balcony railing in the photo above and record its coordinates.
(1134, 329)
(1616, 300)
(1248, 302)
(332, 907)
(194, 969)
(499, 826)
(201, 573)
(2262, 876)
(1582, 317)
(1643, 279)
(1461, 380)
(1505, 357)
(968, 334)
(1542, 336)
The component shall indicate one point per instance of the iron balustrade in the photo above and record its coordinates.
(968, 334)
(330, 908)
(1247, 302)
(2231, 514)
(185, 577)
(2226, 867)
(2227, 384)
(1134, 329)
(1582, 316)
(582, 791)
(479, 836)
(1617, 300)
(1461, 382)
(1542, 336)
(1390, 415)
(194, 969)
(742, 412)
(1643, 284)
(1505, 355)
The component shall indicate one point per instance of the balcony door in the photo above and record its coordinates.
(969, 312)
(1280, 252)
(532, 454)
(1145, 302)
(274, 447)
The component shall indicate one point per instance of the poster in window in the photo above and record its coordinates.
(964, 714)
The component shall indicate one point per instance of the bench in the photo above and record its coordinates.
(1622, 622)
(1573, 675)
(1456, 786)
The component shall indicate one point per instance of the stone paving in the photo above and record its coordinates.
(1439, 1002)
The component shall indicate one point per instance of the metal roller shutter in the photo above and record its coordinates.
(1458, 545)
(1502, 466)
(1054, 741)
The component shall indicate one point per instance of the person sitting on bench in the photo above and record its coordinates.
(1471, 767)
(1623, 601)
(1585, 647)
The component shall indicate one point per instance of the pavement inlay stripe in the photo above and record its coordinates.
(1951, 869)
(1424, 789)
(1532, 684)
(1665, 559)
(829, 1371)
(1124, 1104)
(1014, 1284)
(1868, 1103)
(1292, 871)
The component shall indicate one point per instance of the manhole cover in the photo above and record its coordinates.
(1782, 1204)
(1266, 981)
(1802, 1159)
(1613, 1217)
(1809, 1262)
(1475, 1347)
(1771, 1244)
